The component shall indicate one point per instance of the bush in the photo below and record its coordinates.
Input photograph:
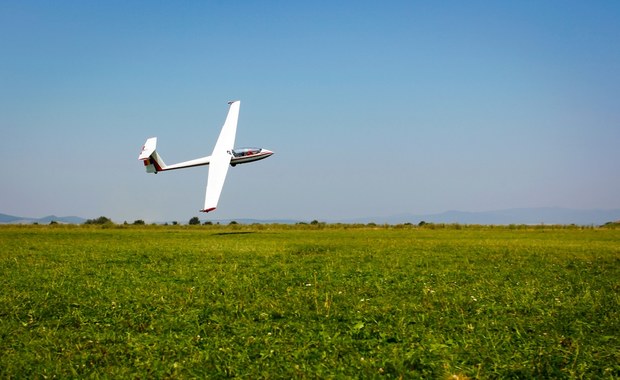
(194, 221)
(99, 221)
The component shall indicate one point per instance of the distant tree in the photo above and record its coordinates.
(207, 223)
(100, 221)
(138, 222)
(316, 224)
(53, 222)
(194, 221)
(422, 223)
(174, 223)
(232, 222)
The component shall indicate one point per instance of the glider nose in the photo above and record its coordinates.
(267, 152)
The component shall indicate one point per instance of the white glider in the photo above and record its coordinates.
(223, 155)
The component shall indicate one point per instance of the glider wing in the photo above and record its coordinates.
(220, 158)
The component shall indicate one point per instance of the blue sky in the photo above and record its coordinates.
(372, 108)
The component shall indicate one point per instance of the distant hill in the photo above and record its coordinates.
(543, 215)
(11, 219)
(533, 216)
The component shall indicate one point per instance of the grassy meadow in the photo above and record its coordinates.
(309, 301)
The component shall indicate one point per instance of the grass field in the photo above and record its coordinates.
(318, 301)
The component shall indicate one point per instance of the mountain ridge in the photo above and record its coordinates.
(540, 215)
(532, 216)
(12, 219)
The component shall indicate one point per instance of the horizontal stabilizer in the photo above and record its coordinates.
(152, 161)
(149, 147)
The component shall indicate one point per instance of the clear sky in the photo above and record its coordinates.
(373, 108)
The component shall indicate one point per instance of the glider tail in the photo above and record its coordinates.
(152, 161)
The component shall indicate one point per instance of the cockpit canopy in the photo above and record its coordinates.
(244, 152)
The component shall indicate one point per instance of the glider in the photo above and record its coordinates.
(223, 155)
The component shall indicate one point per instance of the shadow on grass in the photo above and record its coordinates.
(234, 233)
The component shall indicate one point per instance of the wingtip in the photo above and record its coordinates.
(208, 209)
(233, 101)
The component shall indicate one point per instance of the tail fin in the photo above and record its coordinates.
(152, 160)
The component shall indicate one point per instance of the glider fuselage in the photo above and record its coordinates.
(239, 156)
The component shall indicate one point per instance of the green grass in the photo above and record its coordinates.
(309, 302)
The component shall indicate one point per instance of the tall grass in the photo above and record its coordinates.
(309, 302)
